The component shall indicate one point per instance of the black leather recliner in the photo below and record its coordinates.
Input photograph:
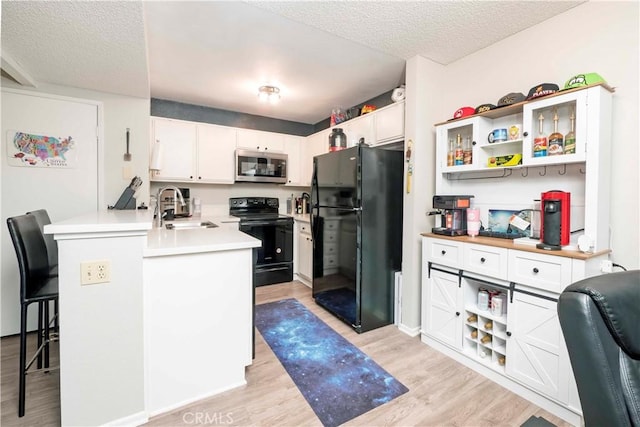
(600, 320)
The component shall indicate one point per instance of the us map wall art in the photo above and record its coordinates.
(31, 150)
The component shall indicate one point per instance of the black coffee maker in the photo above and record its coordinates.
(453, 214)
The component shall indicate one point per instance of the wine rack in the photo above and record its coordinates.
(485, 334)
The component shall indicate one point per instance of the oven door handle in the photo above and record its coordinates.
(262, 223)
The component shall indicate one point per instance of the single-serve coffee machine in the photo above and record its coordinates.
(169, 201)
(555, 226)
(453, 214)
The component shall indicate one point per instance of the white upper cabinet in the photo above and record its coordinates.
(255, 140)
(194, 152)
(177, 140)
(389, 123)
(293, 148)
(216, 154)
(360, 127)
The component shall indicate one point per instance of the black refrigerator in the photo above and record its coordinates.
(356, 221)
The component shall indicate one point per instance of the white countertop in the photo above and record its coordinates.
(301, 217)
(104, 221)
(160, 241)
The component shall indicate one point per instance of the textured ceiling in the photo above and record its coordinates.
(321, 53)
(92, 45)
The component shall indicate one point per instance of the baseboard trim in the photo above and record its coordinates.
(136, 419)
(412, 332)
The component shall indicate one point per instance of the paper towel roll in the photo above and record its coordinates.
(156, 156)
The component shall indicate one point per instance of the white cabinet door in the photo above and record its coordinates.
(256, 140)
(442, 307)
(293, 148)
(216, 148)
(389, 123)
(534, 346)
(360, 127)
(178, 141)
(305, 252)
(314, 145)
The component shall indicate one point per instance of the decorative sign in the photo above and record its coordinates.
(30, 150)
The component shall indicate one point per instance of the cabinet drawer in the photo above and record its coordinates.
(444, 252)
(330, 249)
(486, 260)
(330, 261)
(330, 225)
(548, 272)
(330, 236)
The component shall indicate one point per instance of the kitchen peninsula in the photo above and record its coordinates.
(170, 323)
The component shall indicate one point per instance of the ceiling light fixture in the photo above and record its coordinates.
(269, 94)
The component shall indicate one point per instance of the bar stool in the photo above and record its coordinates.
(36, 286)
(42, 218)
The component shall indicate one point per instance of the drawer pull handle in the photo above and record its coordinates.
(535, 270)
(444, 252)
(457, 313)
(482, 260)
(508, 333)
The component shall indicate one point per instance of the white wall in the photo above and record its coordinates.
(424, 98)
(597, 37)
(603, 38)
(119, 112)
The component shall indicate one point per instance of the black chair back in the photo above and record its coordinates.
(600, 320)
(42, 217)
(31, 250)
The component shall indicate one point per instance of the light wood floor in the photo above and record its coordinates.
(441, 391)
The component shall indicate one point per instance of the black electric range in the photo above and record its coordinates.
(259, 218)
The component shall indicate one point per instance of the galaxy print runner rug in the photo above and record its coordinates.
(338, 380)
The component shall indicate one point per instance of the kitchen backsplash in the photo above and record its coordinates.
(215, 198)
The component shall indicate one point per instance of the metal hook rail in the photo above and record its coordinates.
(504, 175)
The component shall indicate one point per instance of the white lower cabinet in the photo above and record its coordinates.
(442, 298)
(519, 345)
(535, 345)
(304, 251)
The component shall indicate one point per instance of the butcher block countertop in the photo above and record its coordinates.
(509, 244)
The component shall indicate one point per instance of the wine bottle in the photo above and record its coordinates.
(459, 154)
(467, 153)
(556, 140)
(472, 319)
(485, 339)
(488, 325)
(450, 154)
(540, 142)
(570, 137)
(474, 334)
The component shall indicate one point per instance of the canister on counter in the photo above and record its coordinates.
(483, 299)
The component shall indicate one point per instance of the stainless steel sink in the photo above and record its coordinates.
(190, 225)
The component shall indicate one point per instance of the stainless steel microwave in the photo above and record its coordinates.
(259, 166)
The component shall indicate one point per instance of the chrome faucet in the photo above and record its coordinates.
(158, 215)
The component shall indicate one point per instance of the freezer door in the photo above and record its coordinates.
(335, 180)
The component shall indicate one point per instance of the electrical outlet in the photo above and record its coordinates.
(92, 272)
(606, 266)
